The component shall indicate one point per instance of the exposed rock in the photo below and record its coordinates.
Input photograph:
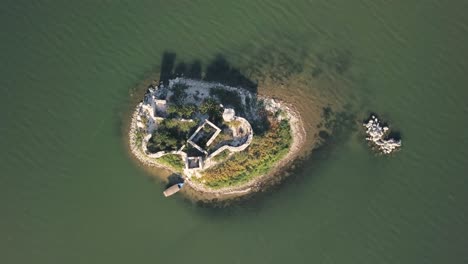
(377, 134)
(229, 114)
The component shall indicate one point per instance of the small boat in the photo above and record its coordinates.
(173, 189)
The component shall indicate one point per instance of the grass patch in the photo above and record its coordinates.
(223, 138)
(172, 160)
(139, 135)
(257, 159)
(221, 156)
(234, 123)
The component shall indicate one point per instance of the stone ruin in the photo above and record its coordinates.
(154, 108)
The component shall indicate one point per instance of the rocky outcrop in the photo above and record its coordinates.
(377, 135)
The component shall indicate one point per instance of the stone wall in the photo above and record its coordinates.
(209, 162)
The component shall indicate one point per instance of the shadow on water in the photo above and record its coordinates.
(394, 134)
(167, 67)
(174, 179)
(217, 70)
(192, 70)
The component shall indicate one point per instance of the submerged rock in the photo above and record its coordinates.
(377, 135)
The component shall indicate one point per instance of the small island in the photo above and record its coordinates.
(380, 137)
(220, 139)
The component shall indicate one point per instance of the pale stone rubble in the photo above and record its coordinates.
(229, 114)
(377, 133)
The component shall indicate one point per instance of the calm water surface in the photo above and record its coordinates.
(69, 193)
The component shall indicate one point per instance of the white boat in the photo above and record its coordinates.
(173, 189)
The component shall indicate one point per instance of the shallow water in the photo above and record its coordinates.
(69, 193)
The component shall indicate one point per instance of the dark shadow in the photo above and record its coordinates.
(181, 70)
(324, 135)
(167, 66)
(394, 134)
(174, 179)
(219, 70)
(195, 70)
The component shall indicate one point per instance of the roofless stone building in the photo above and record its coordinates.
(205, 140)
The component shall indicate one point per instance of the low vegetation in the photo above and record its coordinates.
(258, 159)
(223, 138)
(234, 123)
(139, 138)
(172, 160)
(221, 156)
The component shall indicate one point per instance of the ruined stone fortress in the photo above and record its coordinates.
(153, 110)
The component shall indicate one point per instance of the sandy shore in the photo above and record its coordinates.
(298, 134)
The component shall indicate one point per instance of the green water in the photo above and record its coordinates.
(69, 193)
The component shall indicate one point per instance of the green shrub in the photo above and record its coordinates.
(228, 98)
(212, 109)
(170, 135)
(182, 111)
(163, 140)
